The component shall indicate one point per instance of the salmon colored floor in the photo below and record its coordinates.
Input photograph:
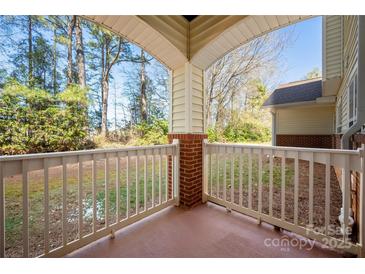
(204, 231)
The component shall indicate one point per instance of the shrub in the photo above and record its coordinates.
(33, 120)
(242, 130)
(152, 134)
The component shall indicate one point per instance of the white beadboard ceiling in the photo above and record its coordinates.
(150, 38)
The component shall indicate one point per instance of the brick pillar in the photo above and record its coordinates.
(191, 167)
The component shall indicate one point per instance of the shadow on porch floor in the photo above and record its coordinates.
(204, 231)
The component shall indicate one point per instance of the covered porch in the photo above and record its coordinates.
(190, 198)
(205, 231)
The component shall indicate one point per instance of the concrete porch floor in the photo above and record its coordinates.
(203, 232)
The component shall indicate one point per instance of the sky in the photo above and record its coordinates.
(305, 51)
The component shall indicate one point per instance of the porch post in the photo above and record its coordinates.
(186, 123)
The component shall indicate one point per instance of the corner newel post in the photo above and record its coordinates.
(362, 202)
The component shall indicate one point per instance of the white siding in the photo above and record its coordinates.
(350, 54)
(187, 100)
(333, 46)
(308, 120)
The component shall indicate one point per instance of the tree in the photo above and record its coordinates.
(228, 79)
(314, 73)
(70, 28)
(109, 49)
(143, 95)
(80, 56)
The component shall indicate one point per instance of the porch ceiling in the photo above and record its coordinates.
(174, 40)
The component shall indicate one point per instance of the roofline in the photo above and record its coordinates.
(299, 82)
(303, 103)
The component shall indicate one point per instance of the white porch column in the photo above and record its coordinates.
(187, 100)
(187, 124)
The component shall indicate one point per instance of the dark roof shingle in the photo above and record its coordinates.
(295, 93)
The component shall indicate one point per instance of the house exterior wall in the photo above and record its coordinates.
(350, 58)
(305, 121)
(332, 42)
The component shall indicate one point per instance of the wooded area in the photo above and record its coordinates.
(120, 90)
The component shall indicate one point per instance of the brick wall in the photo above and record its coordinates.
(191, 167)
(314, 141)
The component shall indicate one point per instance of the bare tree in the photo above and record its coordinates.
(228, 79)
(143, 95)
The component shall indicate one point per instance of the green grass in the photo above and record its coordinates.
(14, 212)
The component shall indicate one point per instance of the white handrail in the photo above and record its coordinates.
(22, 165)
(347, 161)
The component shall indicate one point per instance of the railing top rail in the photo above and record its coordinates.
(299, 149)
(80, 152)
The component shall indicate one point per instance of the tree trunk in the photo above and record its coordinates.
(143, 95)
(70, 28)
(30, 51)
(54, 72)
(80, 57)
(104, 113)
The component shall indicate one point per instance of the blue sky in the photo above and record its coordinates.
(305, 52)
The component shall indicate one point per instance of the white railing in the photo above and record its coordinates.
(139, 174)
(297, 189)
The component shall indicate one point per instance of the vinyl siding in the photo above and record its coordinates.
(187, 100)
(333, 46)
(350, 63)
(307, 121)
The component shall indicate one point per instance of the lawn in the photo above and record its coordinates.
(13, 202)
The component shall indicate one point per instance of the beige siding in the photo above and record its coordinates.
(187, 100)
(308, 120)
(333, 33)
(350, 63)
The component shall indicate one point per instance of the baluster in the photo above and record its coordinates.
(160, 177)
(260, 182)
(46, 206)
(296, 187)
(128, 202)
(153, 178)
(232, 176)
(106, 190)
(271, 181)
(225, 174)
(64, 202)
(166, 177)
(283, 186)
(94, 193)
(145, 181)
(240, 179)
(217, 163)
(80, 190)
(117, 174)
(250, 178)
(327, 192)
(211, 174)
(137, 182)
(25, 191)
(311, 174)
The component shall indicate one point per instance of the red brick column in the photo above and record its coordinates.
(191, 167)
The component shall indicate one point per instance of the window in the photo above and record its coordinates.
(339, 115)
(352, 93)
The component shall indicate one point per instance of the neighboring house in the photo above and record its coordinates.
(328, 112)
